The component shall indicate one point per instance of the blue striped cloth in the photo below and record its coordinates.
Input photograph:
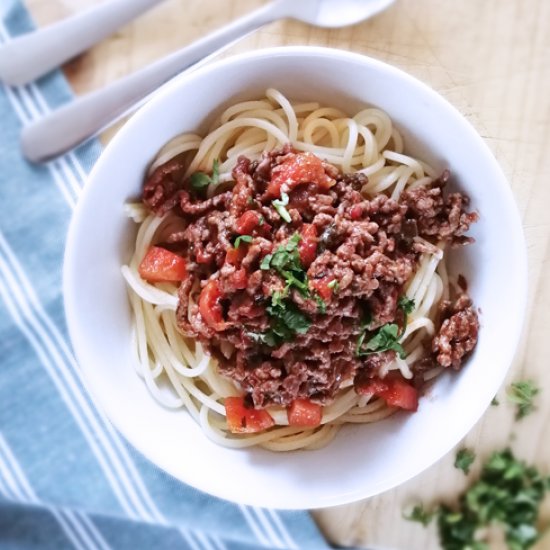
(67, 478)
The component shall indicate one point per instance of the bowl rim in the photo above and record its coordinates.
(70, 278)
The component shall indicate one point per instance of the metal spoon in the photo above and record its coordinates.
(72, 124)
(33, 54)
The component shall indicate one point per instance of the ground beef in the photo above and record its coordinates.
(457, 335)
(366, 248)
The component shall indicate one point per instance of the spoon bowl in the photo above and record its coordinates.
(336, 13)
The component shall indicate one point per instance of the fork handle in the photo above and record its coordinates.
(67, 127)
(34, 54)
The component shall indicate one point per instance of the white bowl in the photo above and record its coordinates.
(362, 460)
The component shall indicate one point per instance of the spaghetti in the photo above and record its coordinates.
(180, 372)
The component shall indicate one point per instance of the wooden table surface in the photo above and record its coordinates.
(491, 59)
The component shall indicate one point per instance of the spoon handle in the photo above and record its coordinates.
(67, 127)
(34, 54)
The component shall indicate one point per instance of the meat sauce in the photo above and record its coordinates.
(292, 274)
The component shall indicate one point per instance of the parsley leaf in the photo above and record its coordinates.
(201, 180)
(279, 205)
(286, 321)
(334, 285)
(464, 459)
(420, 515)
(385, 338)
(216, 172)
(522, 394)
(290, 316)
(242, 239)
(406, 304)
(264, 264)
(508, 493)
(321, 306)
(286, 262)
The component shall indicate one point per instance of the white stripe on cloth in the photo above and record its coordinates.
(281, 527)
(24, 118)
(270, 530)
(72, 183)
(270, 525)
(91, 528)
(45, 338)
(255, 526)
(21, 491)
(208, 542)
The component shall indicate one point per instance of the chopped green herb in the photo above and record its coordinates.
(242, 239)
(286, 262)
(406, 304)
(288, 314)
(216, 171)
(359, 345)
(201, 180)
(508, 494)
(264, 264)
(334, 285)
(321, 306)
(279, 205)
(464, 459)
(385, 338)
(420, 515)
(286, 321)
(261, 220)
(522, 394)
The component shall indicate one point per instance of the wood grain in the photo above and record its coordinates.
(491, 60)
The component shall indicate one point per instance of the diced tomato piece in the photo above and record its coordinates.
(297, 169)
(394, 389)
(202, 257)
(210, 306)
(401, 394)
(239, 279)
(321, 286)
(235, 256)
(304, 413)
(356, 212)
(241, 419)
(249, 221)
(160, 265)
(307, 247)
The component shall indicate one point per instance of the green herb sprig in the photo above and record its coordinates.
(508, 493)
(286, 262)
(386, 338)
(522, 393)
(464, 459)
(201, 180)
(242, 239)
(286, 319)
(407, 306)
(280, 205)
(420, 515)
